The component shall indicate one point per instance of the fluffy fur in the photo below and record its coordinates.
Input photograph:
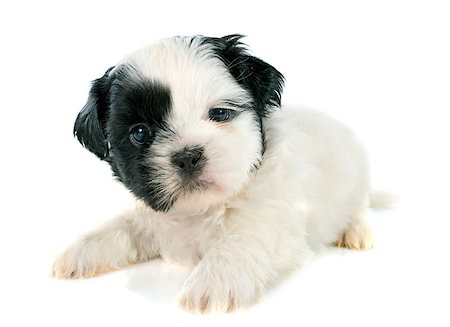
(274, 184)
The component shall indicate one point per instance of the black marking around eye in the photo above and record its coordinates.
(138, 101)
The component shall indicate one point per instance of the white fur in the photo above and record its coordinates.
(239, 238)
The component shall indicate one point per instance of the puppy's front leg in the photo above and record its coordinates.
(235, 272)
(124, 240)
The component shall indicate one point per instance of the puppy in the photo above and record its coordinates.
(226, 181)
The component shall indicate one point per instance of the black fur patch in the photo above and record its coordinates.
(90, 123)
(262, 80)
(117, 102)
(134, 101)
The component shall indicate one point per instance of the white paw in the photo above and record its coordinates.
(79, 261)
(218, 289)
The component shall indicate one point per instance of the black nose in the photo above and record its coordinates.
(189, 160)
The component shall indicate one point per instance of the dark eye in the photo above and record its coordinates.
(221, 114)
(139, 134)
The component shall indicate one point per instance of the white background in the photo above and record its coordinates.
(383, 67)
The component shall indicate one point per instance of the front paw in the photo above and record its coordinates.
(218, 290)
(79, 261)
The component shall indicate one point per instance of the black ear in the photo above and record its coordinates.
(91, 121)
(262, 80)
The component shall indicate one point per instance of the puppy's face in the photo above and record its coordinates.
(180, 122)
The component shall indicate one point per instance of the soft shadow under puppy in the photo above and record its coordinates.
(157, 280)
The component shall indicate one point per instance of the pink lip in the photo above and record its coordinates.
(205, 177)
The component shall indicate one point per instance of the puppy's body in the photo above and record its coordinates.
(278, 185)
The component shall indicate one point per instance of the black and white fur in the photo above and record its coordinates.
(241, 200)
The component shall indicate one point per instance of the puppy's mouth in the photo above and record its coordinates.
(206, 177)
(163, 200)
(189, 177)
(194, 184)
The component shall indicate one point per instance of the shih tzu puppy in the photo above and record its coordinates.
(226, 180)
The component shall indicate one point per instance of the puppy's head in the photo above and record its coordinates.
(180, 121)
